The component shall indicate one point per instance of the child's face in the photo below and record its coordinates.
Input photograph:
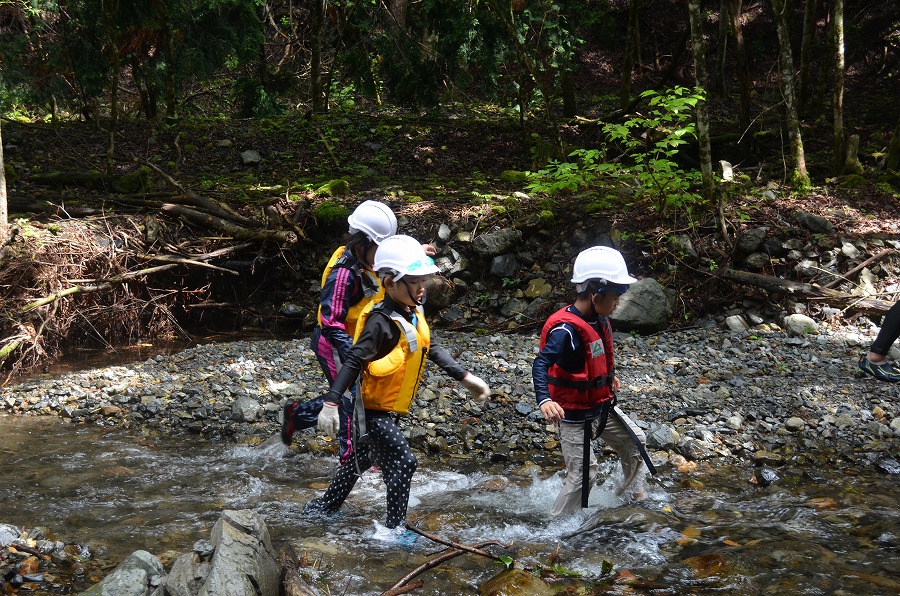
(408, 291)
(605, 302)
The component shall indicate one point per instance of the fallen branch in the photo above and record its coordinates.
(869, 306)
(404, 589)
(865, 263)
(188, 197)
(183, 261)
(109, 283)
(104, 285)
(291, 582)
(454, 551)
(227, 227)
(471, 549)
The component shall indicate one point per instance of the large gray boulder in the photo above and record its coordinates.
(497, 242)
(135, 576)
(244, 561)
(239, 560)
(646, 308)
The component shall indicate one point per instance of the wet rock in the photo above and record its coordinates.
(245, 409)
(888, 466)
(768, 458)
(794, 424)
(695, 449)
(497, 242)
(244, 562)
(137, 575)
(515, 582)
(765, 476)
(662, 437)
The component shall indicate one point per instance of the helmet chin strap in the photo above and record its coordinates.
(410, 294)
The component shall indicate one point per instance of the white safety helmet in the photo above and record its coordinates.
(600, 263)
(375, 219)
(403, 255)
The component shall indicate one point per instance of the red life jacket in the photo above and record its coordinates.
(587, 388)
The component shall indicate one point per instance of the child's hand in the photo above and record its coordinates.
(328, 420)
(552, 411)
(616, 385)
(477, 388)
(430, 249)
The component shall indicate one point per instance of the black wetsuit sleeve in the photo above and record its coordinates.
(440, 356)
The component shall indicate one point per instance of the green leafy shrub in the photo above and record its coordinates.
(646, 147)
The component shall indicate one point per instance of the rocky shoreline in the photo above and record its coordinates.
(702, 393)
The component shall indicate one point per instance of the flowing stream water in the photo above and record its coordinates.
(711, 531)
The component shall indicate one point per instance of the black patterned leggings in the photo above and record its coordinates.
(890, 330)
(387, 448)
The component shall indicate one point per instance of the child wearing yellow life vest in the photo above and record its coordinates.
(575, 383)
(349, 285)
(391, 345)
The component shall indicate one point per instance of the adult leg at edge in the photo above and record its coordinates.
(889, 332)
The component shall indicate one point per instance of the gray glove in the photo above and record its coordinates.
(478, 389)
(328, 420)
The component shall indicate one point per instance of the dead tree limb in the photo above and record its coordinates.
(443, 556)
(109, 283)
(404, 589)
(472, 549)
(192, 198)
(859, 267)
(100, 286)
(869, 306)
(227, 227)
(291, 582)
(184, 261)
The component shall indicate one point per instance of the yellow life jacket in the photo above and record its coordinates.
(369, 296)
(389, 384)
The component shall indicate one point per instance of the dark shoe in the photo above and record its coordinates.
(287, 426)
(316, 508)
(882, 371)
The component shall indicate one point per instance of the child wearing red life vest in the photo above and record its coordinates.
(575, 382)
(391, 346)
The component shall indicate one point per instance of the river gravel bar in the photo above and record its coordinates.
(700, 394)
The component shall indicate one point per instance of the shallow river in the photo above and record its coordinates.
(710, 531)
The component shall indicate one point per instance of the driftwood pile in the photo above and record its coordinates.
(113, 274)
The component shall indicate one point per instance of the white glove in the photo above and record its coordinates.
(328, 420)
(477, 388)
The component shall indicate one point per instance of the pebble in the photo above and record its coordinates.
(701, 393)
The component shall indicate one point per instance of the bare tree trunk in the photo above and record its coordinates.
(722, 51)
(166, 28)
(4, 212)
(567, 88)
(317, 20)
(632, 47)
(698, 43)
(809, 26)
(798, 175)
(398, 10)
(112, 15)
(838, 98)
(892, 163)
(743, 65)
